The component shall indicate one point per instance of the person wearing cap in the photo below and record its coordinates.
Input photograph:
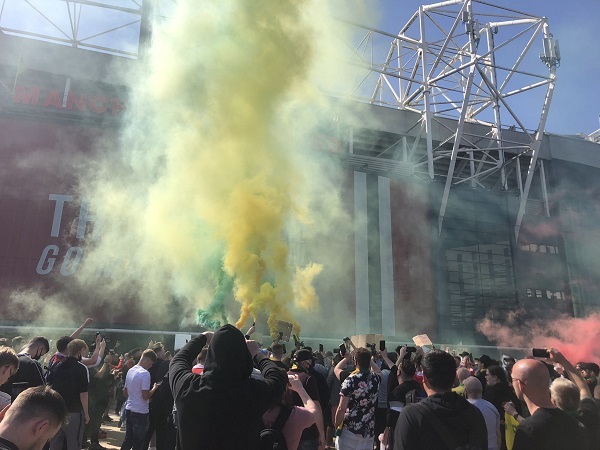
(473, 391)
(313, 437)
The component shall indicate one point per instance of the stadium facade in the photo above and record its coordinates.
(412, 272)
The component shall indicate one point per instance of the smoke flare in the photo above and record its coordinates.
(213, 162)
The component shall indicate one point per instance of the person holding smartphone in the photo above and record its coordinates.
(548, 427)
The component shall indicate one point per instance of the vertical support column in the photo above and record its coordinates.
(426, 95)
(519, 177)
(535, 145)
(460, 126)
(361, 253)
(67, 90)
(388, 317)
(472, 167)
(400, 69)
(544, 188)
(497, 132)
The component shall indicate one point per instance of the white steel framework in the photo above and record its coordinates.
(466, 68)
(116, 27)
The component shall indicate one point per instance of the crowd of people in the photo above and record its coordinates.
(224, 390)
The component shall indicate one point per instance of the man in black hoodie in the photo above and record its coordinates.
(444, 419)
(222, 409)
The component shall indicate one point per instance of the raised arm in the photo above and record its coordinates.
(375, 368)
(388, 361)
(296, 386)
(78, 331)
(93, 360)
(339, 368)
(180, 370)
(575, 375)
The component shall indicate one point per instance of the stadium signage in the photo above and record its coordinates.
(97, 104)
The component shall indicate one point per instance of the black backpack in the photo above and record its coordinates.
(272, 438)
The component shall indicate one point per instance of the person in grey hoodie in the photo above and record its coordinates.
(222, 409)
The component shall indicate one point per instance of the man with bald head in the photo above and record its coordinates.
(548, 428)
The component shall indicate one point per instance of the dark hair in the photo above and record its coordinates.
(418, 359)
(440, 369)
(589, 367)
(40, 340)
(363, 358)
(61, 343)
(40, 401)
(498, 372)
(407, 367)
(277, 350)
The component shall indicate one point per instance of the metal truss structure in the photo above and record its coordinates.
(117, 27)
(464, 68)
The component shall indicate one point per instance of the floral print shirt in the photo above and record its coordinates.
(362, 389)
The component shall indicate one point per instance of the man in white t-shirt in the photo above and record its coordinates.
(137, 391)
(473, 390)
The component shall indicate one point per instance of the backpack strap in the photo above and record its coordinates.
(440, 429)
(282, 417)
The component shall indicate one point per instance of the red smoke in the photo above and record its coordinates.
(576, 338)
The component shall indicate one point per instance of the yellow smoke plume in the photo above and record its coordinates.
(213, 159)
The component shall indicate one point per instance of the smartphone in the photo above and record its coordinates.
(373, 349)
(540, 353)
(320, 347)
(343, 349)
(382, 345)
(284, 350)
(411, 349)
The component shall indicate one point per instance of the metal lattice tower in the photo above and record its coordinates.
(465, 63)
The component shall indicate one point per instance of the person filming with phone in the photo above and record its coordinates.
(548, 427)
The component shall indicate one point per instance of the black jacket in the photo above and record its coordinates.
(463, 420)
(222, 409)
(500, 393)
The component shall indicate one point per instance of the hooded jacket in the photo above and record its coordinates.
(463, 420)
(222, 408)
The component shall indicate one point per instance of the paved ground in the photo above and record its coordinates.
(115, 436)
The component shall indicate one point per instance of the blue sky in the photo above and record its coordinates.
(576, 102)
(575, 105)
